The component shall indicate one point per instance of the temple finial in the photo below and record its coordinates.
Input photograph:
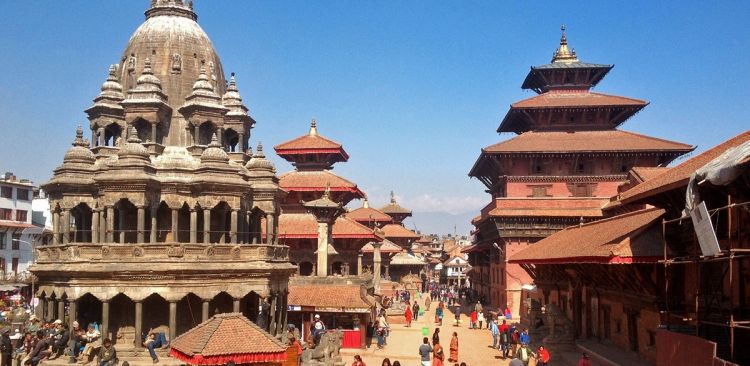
(393, 197)
(79, 137)
(563, 53)
(259, 150)
(366, 203)
(313, 128)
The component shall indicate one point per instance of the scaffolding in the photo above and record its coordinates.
(720, 307)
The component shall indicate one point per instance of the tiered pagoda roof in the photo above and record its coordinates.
(368, 215)
(304, 226)
(396, 211)
(312, 151)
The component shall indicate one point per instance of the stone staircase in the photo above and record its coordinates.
(134, 357)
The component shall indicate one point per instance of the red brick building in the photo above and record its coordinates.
(567, 160)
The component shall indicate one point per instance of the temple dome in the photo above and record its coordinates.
(79, 153)
(177, 48)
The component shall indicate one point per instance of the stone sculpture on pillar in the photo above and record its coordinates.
(326, 211)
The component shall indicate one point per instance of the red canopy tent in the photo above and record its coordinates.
(228, 337)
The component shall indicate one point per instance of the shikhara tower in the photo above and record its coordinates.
(561, 169)
(157, 218)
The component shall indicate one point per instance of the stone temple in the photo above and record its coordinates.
(157, 218)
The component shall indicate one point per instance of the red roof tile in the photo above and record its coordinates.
(398, 231)
(584, 141)
(645, 173)
(327, 296)
(317, 181)
(310, 144)
(304, 226)
(368, 214)
(678, 176)
(627, 238)
(549, 207)
(16, 225)
(387, 247)
(227, 337)
(562, 99)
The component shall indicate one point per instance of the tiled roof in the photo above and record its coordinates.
(584, 141)
(327, 296)
(406, 259)
(16, 225)
(368, 214)
(679, 175)
(226, 335)
(316, 181)
(398, 231)
(304, 226)
(646, 173)
(549, 207)
(395, 208)
(387, 247)
(566, 99)
(310, 144)
(627, 238)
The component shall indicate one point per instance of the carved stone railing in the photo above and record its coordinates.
(107, 252)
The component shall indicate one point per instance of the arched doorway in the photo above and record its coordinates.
(126, 221)
(189, 313)
(306, 269)
(221, 303)
(122, 326)
(81, 217)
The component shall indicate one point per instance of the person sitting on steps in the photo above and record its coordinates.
(155, 340)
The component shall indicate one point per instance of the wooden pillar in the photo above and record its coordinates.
(204, 312)
(141, 225)
(193, 225)
(175, 223)
(138, 324)
(172, 320)
(65, 226)
(206, 226)
(152, 237)
(105, 319)
(233, 227)
(236, 305)
(95, 225)
(110, 224)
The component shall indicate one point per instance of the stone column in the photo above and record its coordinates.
(359, 264)
(50, 310)
(236, 305)
(72, 312)
(193, 225)
(153, 139)
(269, 228)
(241, 143)
(387, 270)
(222, 227)
(206, 226)
(95, 226)
(204, 313)
(121, 225)
(196, 136)
(376, 265)
(61, 310)
(322, 262)
(65, 226)
(138, 324)
(175, 224)
(110, 224)
(281, 326)
(272, 312)
(55, 228)
(233, 227)
(105, 319)
(141, 225)
(102, 136)
(152, 237)
(172, 319)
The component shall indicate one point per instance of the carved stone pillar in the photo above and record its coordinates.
(175, 223)
(241, 143)
(233, 227)
(359, 264)
(172, 319)
(121, 226)
(105, 319)
(65, 226)
(61, 310)
(102, 136)
(153, 136)
(193, 225)
(281, 313)
(376, 265)
(236, 305)
(272, 312)
(387, 271)
(222, 227)
(322, 264)
(50, 310)
(55, 228)
(204, 310)
(196, 135)
(206, 226)
(141, 225)
(152, 237)
(95, 226)
(72, 312)
(110, 224)
(138, 324)
(269, 229)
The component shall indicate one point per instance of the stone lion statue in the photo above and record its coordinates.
(327, 352)
(560, 327)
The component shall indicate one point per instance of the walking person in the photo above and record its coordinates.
(415, 311)
(437, 354)
(424, 352)
(439, 315)
(436, 335)
(427, 302)
(408, 315)
(480, 318)
(473, 320)
(454, 348)
(495, 332)
(542, 356)
(525, 338)
(380, 333)
(584, 361)
(386, 362)
(524, 354)
(6, 348)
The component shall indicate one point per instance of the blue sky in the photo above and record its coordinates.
(413, 89)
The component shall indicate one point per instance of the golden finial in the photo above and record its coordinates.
(313, 128)
(563, 53)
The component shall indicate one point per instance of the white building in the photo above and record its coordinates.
(455, 270)
(18, 235)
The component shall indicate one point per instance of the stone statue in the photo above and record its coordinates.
(560, 327)
(327, 352)
(176, 63)
(131, 63)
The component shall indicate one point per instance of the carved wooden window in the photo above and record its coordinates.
(582, 189)
(539, 191)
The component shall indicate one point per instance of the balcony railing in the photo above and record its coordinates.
(107, 252)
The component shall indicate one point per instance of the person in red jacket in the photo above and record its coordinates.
(584, 361)
(474, 318)
(358, 361)
(408, 315)
(542, 355)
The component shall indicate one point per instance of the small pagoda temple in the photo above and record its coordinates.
(567, 159)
